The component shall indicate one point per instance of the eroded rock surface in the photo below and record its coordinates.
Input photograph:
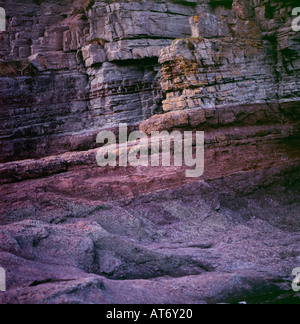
(212, 241)
(71, 232)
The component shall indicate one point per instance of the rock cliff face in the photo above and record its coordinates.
(236, 57)
(71, 232)
(103, 55)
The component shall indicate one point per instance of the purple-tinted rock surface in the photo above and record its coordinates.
(71, 232)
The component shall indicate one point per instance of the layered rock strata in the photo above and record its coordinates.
(105, 54)
(234, 57)
(100, 55)
(72, 232)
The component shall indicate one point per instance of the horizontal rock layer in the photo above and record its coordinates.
(104, 55)
(101, 57)
(232, 59)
